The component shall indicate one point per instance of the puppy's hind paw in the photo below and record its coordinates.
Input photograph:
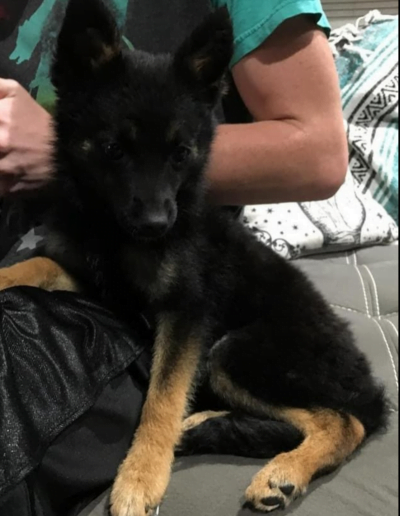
(275, 487)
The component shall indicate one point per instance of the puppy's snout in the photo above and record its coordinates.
(157, 220)
(154, 223)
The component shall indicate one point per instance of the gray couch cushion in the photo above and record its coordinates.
(363, 288)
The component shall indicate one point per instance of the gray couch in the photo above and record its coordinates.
(362, 287)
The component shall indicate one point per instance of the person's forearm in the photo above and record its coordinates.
(273, 161)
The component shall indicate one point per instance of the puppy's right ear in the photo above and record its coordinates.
(88, 41)
(201, 61)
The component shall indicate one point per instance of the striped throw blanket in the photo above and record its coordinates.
(367, 61)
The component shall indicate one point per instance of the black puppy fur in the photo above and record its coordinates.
(130, 222)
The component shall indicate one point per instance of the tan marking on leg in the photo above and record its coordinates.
(144, 475)
(37, 272)
(200, 417)
(330, 438)
(222, 385)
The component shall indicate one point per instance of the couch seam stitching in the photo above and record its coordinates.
(390, 353)
(350, 310)
(363, 289)
(334, 305)
(375, 289)
(394, 328)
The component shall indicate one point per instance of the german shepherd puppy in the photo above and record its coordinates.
(241, 334)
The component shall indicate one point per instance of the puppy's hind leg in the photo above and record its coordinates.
(329, 437)
(37, 272)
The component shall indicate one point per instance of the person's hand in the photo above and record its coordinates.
(25, 140)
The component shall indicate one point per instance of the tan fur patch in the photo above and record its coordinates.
(222, 385)
(37, 272)
(144, 475)
(198, 63)
(200, 417)
(105, 55)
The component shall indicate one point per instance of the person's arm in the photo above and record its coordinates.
(296, 150)
(25, 137)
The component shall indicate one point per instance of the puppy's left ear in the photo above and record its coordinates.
(88, 40)
(202, 60)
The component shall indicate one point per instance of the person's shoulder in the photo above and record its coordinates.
(255, 20)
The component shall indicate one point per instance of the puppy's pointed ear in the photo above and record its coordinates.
(88, 40)
(202, 60)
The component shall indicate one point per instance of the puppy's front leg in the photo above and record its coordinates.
(144, 475)
(37, 272)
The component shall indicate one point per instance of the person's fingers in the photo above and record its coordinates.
(26, 186)
(7, 183)
(7, 87)
(4, 143)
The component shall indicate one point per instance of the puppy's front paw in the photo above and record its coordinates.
(139, 487)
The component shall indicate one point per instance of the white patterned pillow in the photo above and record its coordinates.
(348, 220)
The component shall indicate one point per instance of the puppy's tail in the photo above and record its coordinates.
(241, 435)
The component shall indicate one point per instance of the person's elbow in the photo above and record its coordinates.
(328, 163)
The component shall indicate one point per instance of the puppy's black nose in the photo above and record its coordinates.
(154, 224)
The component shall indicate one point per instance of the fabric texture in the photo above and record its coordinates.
(255, 20)
(83, 459)
(58, 351)
(362, 288)
(24, 247)
(367, 60)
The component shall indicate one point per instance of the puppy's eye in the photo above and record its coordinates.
(180, 155)
(113, 151)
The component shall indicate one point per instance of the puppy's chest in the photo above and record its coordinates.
(153, 273)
